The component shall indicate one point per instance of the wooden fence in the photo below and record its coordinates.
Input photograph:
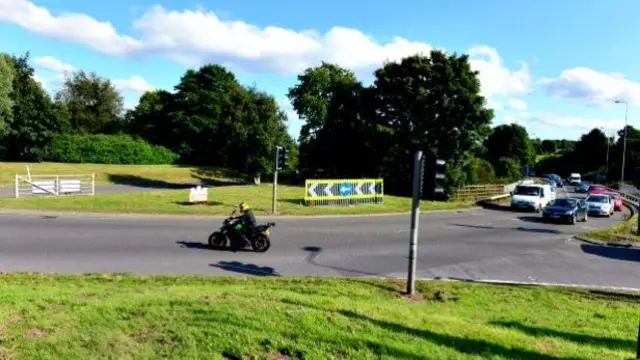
(478, 192)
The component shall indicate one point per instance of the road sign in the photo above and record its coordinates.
(343, 191)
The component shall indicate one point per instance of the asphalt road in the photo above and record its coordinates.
(477, 244)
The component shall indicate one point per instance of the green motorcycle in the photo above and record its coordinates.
(232, 233)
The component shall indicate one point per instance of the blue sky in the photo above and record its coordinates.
(555, 67)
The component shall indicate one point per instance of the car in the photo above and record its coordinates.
(574, 179)
(556, 178)
(583, 187)
(617, 200)
(569, 210)
(596, 189)
(599, 204)
(531, 197)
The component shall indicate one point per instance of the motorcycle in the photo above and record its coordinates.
(232, 233)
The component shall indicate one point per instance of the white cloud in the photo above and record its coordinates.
(494, 104)
(495, 78)
(135, 83)
(594, 87)
(80, 28)
(517, 104)
(195, 36)
(53, 64)
(563, 123)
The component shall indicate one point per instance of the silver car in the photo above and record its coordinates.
(599, 205)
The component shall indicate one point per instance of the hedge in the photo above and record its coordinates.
(107, 149)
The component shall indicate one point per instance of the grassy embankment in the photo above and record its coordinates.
(624, 232)
(222, 195)
(122, 317)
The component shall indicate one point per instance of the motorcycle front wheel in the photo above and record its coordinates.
(261, 243)
(217, 240)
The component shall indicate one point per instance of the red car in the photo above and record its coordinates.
(596, 189)
(617, 201)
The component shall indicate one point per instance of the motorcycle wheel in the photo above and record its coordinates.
(217, 240)
(261, 243)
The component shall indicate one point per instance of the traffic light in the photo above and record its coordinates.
(282, 157)
(438, 188)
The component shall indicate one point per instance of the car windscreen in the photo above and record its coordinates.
(598, 199)
(570, 203)
(527, 190)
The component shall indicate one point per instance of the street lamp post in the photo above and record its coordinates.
(624, 140)
(606, 171)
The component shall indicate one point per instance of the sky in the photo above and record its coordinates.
(555, 67)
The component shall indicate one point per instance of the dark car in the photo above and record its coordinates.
(565, 210)
(556, 178)
(583, 187)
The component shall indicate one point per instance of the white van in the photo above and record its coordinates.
(532, 197)
(575, 179)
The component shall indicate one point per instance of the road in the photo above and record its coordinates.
(475, 244)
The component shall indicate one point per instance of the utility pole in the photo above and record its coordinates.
(281, 159)
(624, 141)
(418, 168)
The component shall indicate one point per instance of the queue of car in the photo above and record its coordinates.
(542, 198)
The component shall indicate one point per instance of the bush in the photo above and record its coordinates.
(107, 149)
(483, 172)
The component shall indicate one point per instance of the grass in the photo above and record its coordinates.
(125, 317)
(222, 200)
(116, 173)
(626, 231)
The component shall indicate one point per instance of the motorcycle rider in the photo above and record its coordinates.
(246, 217)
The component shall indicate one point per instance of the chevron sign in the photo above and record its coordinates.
(340, 190)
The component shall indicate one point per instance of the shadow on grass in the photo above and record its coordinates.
(147, 183)
(616, 253)
(299, 201)
(247, 269)
(626, 298)
(611, 343)
(460, 344)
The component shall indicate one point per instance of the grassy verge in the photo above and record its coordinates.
(623, 232)
(222, 201)
(117, 173)
(122, 317)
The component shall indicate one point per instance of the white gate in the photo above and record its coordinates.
(54, 185)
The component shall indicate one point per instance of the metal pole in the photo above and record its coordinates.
(607, 163)
(624, 144)
(638, 344)
(275, 182)
(415, 217)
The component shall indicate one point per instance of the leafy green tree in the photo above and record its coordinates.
(510, 141)
(337, 136)
(549, 146)
(430, 103)
(213, 120)
(591, 150)
(33, 121)
(94, 104)
(6, 88)
(508, 168)
(150, 119)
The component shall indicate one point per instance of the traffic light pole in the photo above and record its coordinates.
(418, 164)
(275, 181)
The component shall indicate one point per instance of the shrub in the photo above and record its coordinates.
(107, 149)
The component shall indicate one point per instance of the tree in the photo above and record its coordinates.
(431, 104)
(6, 88)
(33, 121)
(510, 141)
(94, 104)
(213, 120)
(150, 119)
(549, 146)
(591, 150)
(337, 135)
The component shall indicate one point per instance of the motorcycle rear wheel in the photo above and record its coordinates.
(261, 243)
(217, 240)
